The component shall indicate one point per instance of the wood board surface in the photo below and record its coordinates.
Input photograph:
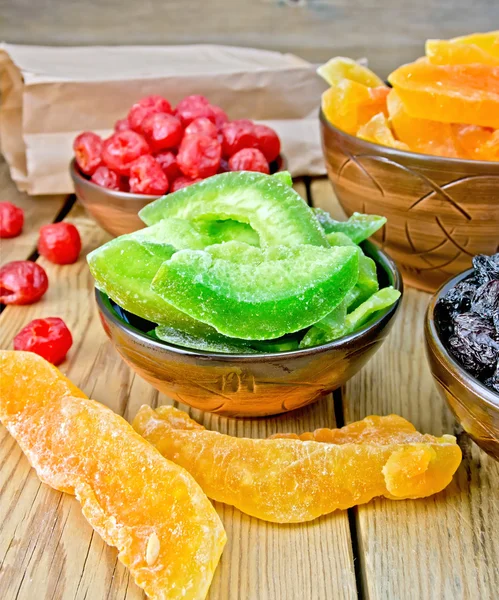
(442, 547)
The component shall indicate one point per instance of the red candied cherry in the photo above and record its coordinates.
(88, 149)
(11, 220)
(145, 107)
(202, 125)
(122, 149)
(249, 159)
(168, 162)
(199, 156)
(60, 243)
(238, 135)
(50, 338)
(147, 177)
(194, 107)
(122, 125)
(107, 178)
(268, 142)
(182, 182)
(220, 116)
(162, 131)
(22, 282)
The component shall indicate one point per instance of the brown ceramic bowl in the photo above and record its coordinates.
(116, 212)
(248, 385)
(475, 406)
(440, 211)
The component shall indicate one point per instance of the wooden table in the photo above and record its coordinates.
(444, 547)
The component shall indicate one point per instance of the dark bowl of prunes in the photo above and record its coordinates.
(462, 343)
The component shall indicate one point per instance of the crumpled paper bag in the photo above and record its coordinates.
(49, 95)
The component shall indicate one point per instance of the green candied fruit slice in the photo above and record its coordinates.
(327, 329)
(125, 267)
(211, 342)
(288, 290)
(358, 227)
(227, 231)
(336, 325)
(286, 343)
(337, 238)
(273, 209)
(284, 177)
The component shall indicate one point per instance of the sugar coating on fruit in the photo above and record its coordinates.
(165, 529)
(249, 293)
(290, 480)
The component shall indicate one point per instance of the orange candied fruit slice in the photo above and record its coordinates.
(349, 104)
(291, 480)
(480, 48)
(420, 135)
(449, 93)
(166, 530)
(340, 67)
(378, 131)
(479, 143)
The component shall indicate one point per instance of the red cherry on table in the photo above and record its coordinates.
(11, 220)
(60, 243)
(49, 338)
(22, 282)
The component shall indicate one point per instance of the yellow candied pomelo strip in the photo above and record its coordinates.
(420, 135)
(166, 530)
(466, 94)
(378, 131)
(340, 67)
(290, 480)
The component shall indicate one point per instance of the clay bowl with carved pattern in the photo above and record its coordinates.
(116, 211)
(441, 211)
(475, 405)
(248, 385)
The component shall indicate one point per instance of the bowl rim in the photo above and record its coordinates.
(386, 262)
(445, 358)
(430, 158)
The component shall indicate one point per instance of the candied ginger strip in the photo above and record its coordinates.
(294, 480)
(166, 530)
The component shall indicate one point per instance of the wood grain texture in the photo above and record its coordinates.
(444, 547)
(47, 548)
(37, 212)
(389, 32)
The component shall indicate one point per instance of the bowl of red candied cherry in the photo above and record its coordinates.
(158, 149)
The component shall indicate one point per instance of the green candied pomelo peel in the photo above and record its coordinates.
(337, 323)
(273, 209)
(265, 294)
(358, 227)
(210, 342)
(125, 267)
(285, 177)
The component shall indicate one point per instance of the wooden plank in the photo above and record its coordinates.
(37, 212)
(445, 546)
(389, 32)
(47, 548)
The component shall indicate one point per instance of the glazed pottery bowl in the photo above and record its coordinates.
(115, 211)
(248, 385)
(440, 211)
(475, 406)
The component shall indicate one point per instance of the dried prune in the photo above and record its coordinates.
(486, 267)
(486, 300)
(457, 301)
(475, 344)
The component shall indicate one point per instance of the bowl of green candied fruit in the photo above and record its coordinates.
(238, 298)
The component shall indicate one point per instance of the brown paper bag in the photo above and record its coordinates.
(49, 95)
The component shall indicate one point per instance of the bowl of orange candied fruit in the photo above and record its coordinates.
(422, 150)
